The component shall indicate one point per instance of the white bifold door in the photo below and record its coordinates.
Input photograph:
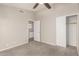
(37, 30)
(61, 31)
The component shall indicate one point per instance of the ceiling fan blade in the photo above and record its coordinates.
(35, 5)
(47, 5)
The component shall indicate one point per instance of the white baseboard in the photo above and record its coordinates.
(13, 46)
(49, 43)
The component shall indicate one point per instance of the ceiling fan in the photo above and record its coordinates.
(46, 4)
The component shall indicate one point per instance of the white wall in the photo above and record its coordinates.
(13, 27)
(48, 20)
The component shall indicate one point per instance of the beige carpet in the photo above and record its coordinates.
(39, 49)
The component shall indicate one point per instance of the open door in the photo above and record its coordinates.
(61, 31)
(37, 30)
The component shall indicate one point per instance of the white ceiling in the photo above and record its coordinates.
(27, 6)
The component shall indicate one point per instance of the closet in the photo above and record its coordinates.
(66, 31)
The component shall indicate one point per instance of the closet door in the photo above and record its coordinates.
(61, 31)
(37, 30)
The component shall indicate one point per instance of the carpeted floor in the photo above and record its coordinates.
(39, 49)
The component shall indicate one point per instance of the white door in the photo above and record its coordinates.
(61, 31)
(37, 30)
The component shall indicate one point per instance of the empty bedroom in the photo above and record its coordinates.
(39, 29)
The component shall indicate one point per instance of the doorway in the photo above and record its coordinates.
(31, 31)
(34, 31)
(71, 30)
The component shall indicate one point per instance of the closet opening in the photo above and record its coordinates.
(71, 31)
